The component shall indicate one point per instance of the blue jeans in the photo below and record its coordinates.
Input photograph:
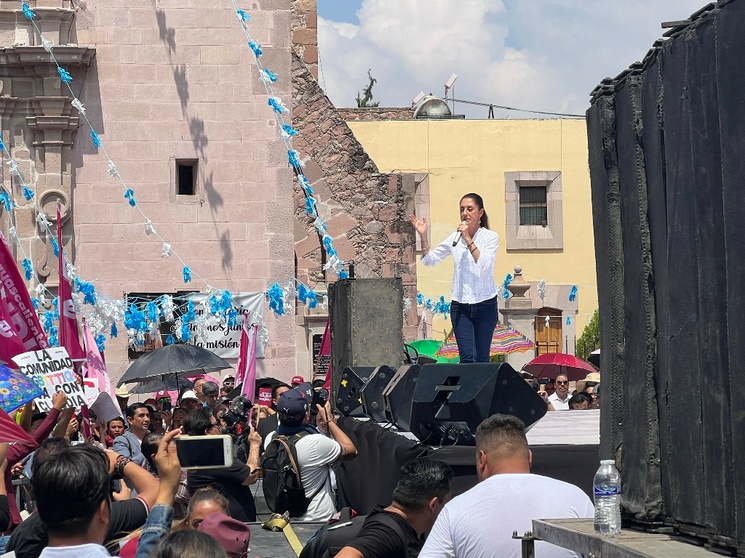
(474, 326)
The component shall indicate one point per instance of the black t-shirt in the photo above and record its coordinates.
(378, 539)
(30, 537)
(229, 483)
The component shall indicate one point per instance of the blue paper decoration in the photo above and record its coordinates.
(256, 48)
(27, 269)
(55, 247)
(64, 75)
(114, 331)
(96, 139)
(276, 299)
(6, 201)
(28, 12)
(187, 274)
(573, 293)
(28, 193)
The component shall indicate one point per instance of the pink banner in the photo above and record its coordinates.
(18, 303)
(10, 343)
(68, 323)
(247, 360)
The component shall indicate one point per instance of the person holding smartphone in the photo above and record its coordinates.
(473, 306)
(233, 481)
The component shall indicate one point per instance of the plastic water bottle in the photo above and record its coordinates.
(607, 491)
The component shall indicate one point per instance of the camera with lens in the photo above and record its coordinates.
(239, 409)
(320, 397)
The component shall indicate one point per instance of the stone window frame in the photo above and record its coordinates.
(174, 196)
(534, 237)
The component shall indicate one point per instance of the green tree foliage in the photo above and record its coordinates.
(590, 339)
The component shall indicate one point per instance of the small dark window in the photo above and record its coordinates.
(533, 206)
(186, 177)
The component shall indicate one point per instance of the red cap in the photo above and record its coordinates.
(297, 380)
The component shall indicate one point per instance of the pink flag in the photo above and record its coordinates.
(68, 323)
(95, 368)
(10, 343)
(18, 303)
(247, 360)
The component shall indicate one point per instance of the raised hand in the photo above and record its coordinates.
(419, 225)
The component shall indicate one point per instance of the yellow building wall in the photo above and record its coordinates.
(464, 156)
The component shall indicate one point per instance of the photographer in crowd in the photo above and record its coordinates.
(317, 449)
(232, 482)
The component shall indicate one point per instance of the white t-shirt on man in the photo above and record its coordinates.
(315, 454)
(558, 403)
(479, 523)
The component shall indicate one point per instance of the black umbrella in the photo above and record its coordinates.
(594, 358)
(174, 361)
(170, 383)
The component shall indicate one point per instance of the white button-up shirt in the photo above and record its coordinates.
(472, 281)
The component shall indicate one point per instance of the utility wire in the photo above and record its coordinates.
(493, 106)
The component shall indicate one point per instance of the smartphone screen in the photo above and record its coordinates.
(204, 452)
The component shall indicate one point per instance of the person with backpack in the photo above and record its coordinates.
(395, 531)
(298, 449)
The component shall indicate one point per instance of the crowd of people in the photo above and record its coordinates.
(120, 490)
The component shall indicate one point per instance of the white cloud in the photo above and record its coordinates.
(535, 54)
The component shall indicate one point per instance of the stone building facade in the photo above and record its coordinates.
(168, 85)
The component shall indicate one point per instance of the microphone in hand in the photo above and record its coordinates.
(458, 236)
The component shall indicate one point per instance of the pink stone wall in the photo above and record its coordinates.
(174, 79)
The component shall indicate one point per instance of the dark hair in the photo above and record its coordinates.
(197, 421)
(484, 222)
(578, 398)
(48, 448)
(207, 494)
(132, 409)
(118, 419)
(502, 435)
(210, 388)
(69, 489)
(188, 544)
(421, 480)
(38, 416)
(276, 387)
(149, 447)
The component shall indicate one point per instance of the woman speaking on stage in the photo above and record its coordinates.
(473, 306)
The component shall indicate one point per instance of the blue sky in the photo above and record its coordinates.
(536, 54)
(339, 10)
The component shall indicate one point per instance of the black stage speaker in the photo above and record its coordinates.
(372, 392)
(451, 400)
(349, 395)
(398, 394)
(366, 325)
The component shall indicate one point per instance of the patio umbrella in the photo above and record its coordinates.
(177, 361)
(429, 347)
(550, 365)
(505, 340)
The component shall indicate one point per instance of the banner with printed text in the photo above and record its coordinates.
(52, 370)
(222, 340)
